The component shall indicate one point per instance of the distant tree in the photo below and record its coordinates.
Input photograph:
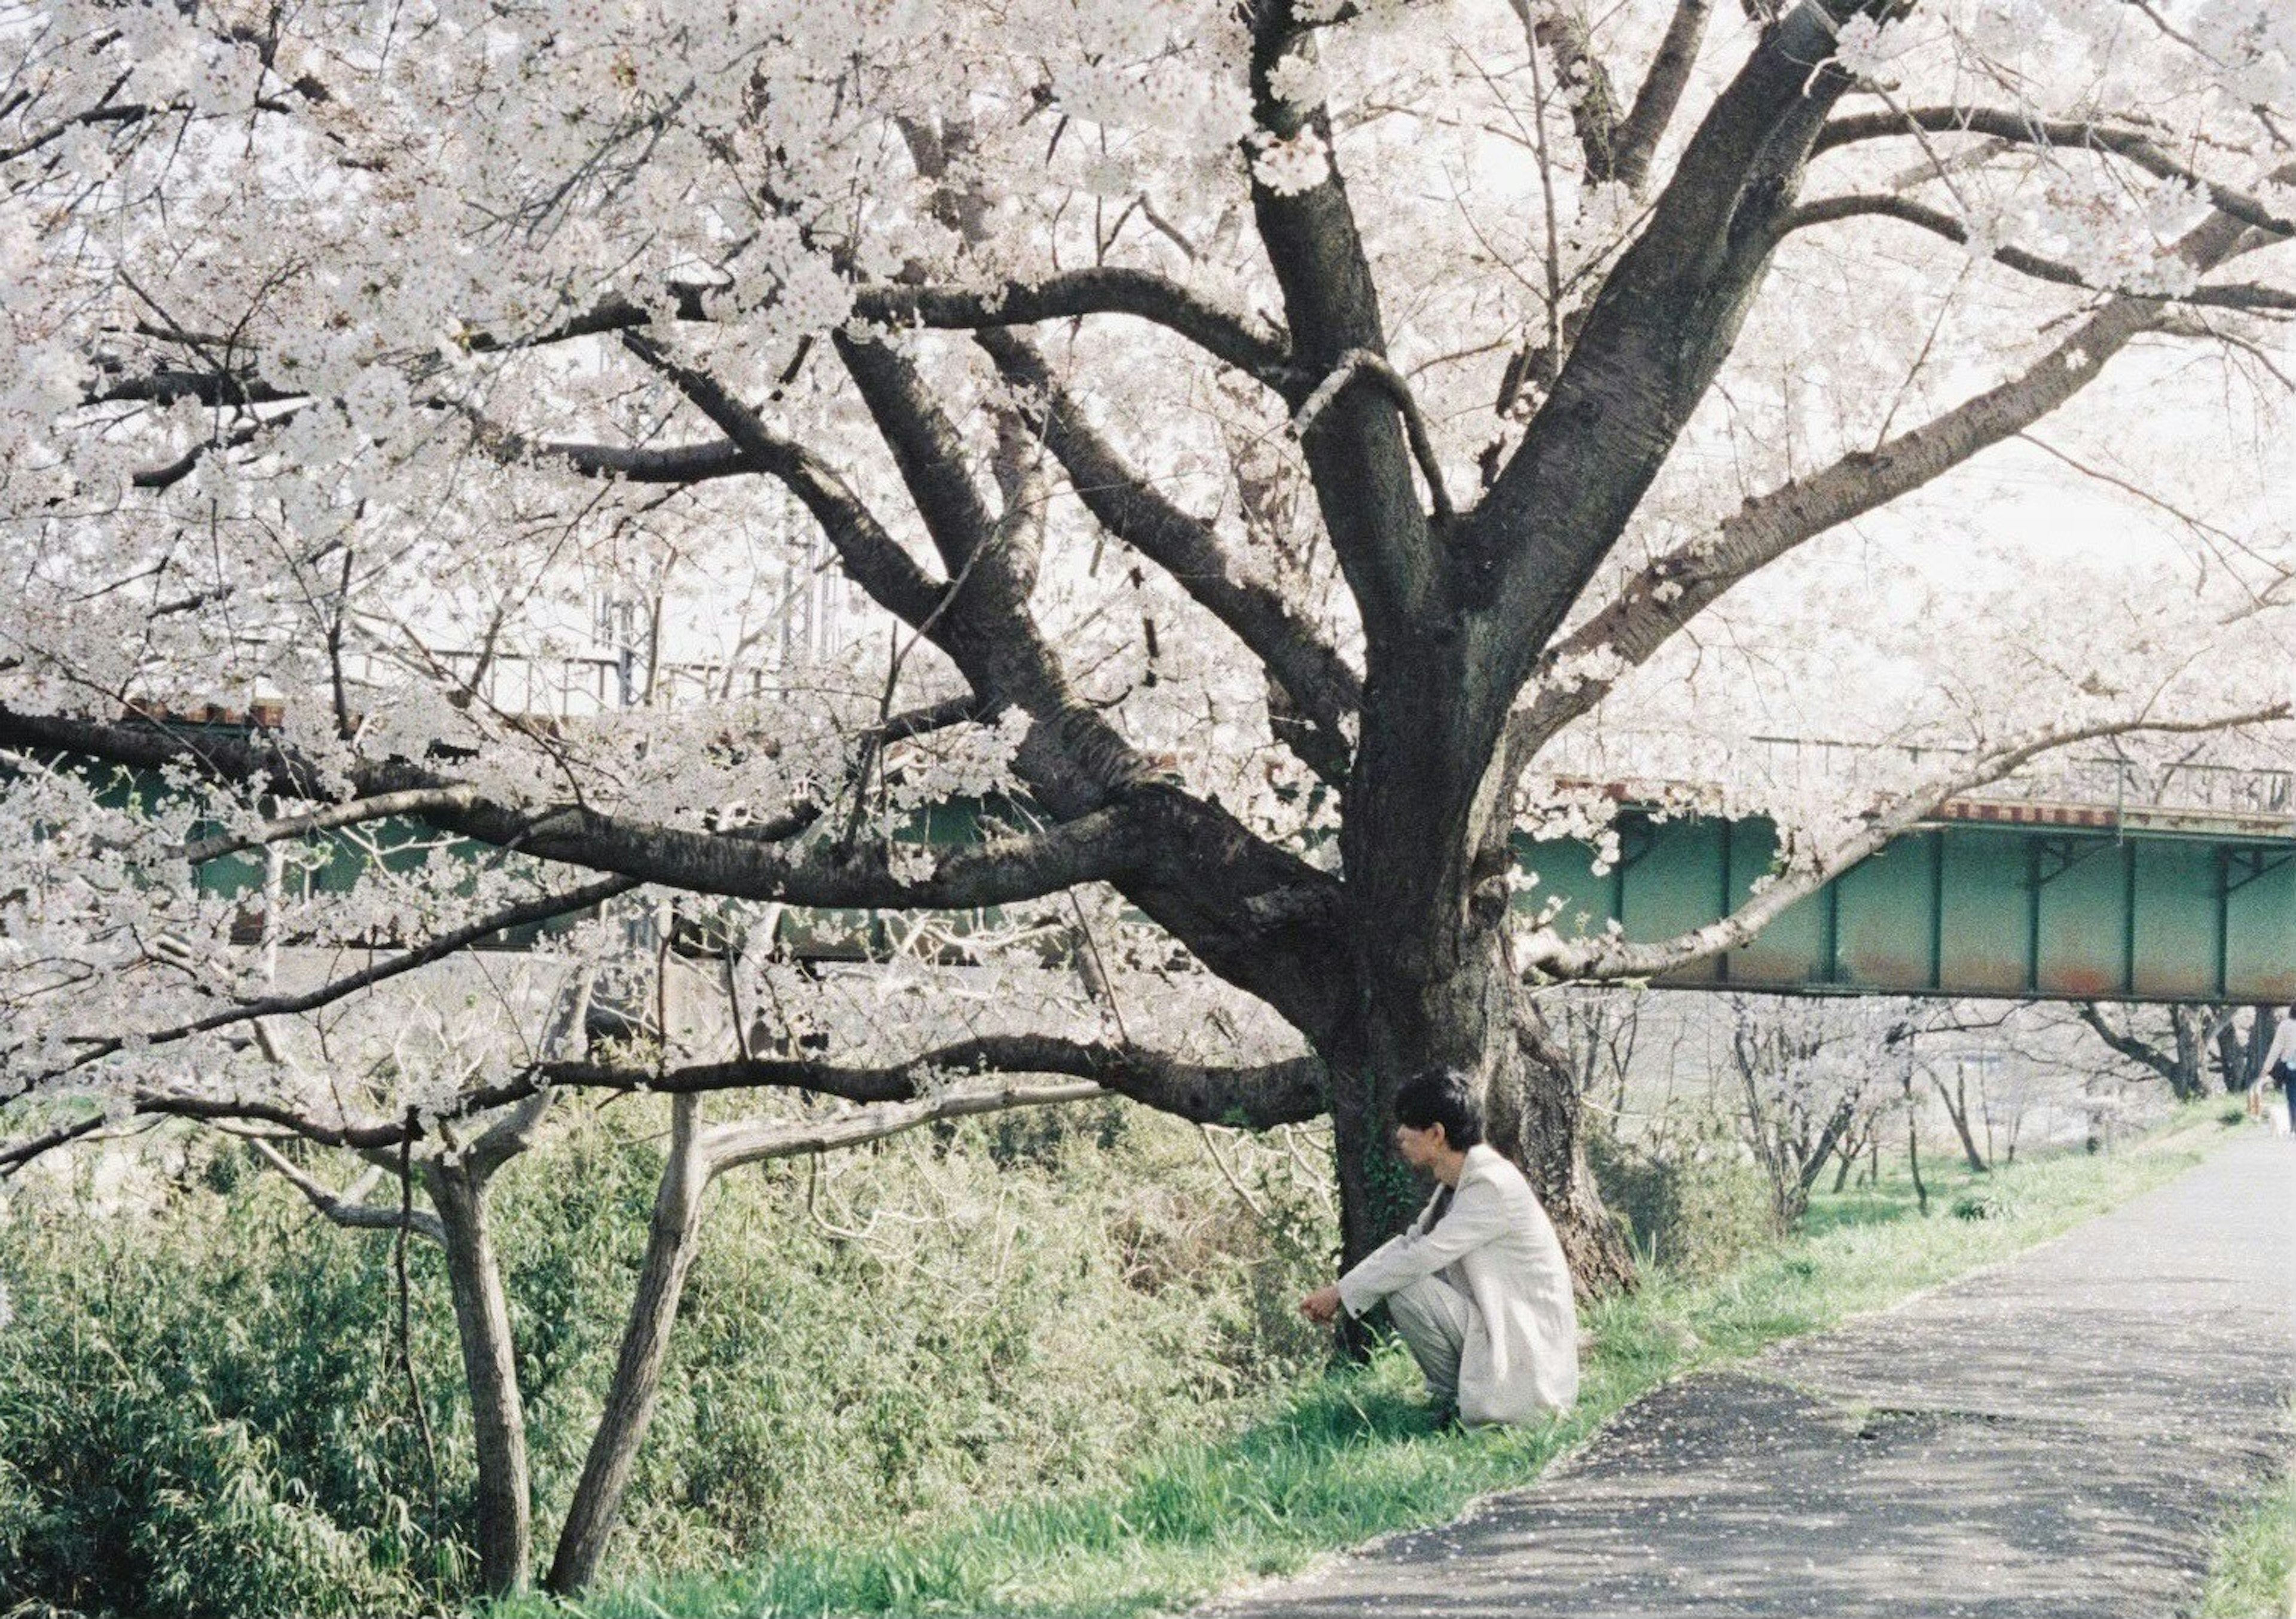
(2188, 1060)
(1812, 1077)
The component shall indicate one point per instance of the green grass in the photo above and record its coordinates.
(2252, 1573)
(1353, 1455)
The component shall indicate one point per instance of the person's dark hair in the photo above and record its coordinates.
(1445, 1097)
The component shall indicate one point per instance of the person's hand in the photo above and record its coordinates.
(1322, 1306)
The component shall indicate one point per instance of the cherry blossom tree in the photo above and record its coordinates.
(1250, 446)
(1812, 1075)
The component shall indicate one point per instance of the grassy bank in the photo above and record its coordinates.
(1352, 1455)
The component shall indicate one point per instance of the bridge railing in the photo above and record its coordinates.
(560, 685)
(1788, 769)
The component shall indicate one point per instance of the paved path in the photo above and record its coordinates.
(2058, 1435)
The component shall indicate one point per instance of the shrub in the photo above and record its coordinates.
(203, 1412)
(1985, 1203)
(198, 1416)
(1695, 1206)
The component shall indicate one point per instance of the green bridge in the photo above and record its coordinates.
(2033, 901)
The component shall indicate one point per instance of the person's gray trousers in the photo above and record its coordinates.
(1433, 1314)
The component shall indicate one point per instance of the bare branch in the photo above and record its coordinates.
(926, 447)
(1258, 1095)
(437, 949)
(1255, 1095)
(1653, 605)
(2126, 1044)
(752, 1142)
(209, 388)
(420, 801)
(348, 1208)
(15, 1155)
(1259, 352)
(1134, 510)
(1638, 135)
(872, 558)
(105, 111)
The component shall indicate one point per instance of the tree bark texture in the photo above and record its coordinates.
(490, 1371)
(1435, 985)
(671, 1242)
(1956, 1109)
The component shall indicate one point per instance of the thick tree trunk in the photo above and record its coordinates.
(490, 1371)
(1426, 849)
(1537, 1118)
(1473, 1017)
(671, 1242)
(2194, 1027)
(2239, 1059)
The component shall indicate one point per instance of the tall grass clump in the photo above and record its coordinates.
(203, 1408)
(201, 1413)
(2252, 1573)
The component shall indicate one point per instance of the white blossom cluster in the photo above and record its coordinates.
(314, 365)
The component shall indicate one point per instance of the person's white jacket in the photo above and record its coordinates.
(2283, 1047)
(1497, 1245)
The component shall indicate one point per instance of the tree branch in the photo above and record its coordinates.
(2128, 1045)
(207, 388)
(2004, 124)
(872, 558)
(1657, 602)
(1655, 337)
(349, 1208)
(1592, 98)
(926, 447)
(1356, 454)
(419, 801)
(752, 1142)
(15, 1155)
(1830, 209)
(1132, 509)
(437, 949)
(1257, 351)
(1361, 364)
(1637, 138)
(1258, 1095)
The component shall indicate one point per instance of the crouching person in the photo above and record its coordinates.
(1478, 1287)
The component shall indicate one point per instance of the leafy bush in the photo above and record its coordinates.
(198, 1414)
(202, 1410)
(1695, 1205)
(1985, 1203)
